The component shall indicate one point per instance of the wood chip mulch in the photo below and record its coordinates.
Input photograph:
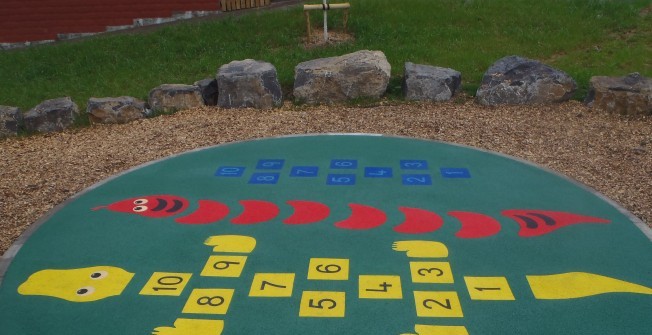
(610, 153)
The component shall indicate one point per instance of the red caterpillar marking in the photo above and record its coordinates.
(417, 221)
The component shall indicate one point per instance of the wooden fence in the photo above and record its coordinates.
(229, 5)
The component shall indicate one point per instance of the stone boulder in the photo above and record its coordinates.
(362, 74)
(208, 89)
(51, 115)
(10, 120)
(248, 83)
(115, 110)
(430, 83)
(517, 80)
(624, 95)
(175, 97)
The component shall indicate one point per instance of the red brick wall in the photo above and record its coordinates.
(34, 20)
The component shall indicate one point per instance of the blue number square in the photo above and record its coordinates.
(270, 164)
(304, 171)
(416, 179)
(378, 172)
(344, 164)
(414, 164)
(230, 171)
(264, 178)
(455, 173)
(340, 179)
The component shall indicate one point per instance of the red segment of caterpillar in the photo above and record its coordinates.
(475, 225)
(418, 221)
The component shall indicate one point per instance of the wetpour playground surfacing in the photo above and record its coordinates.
(333, 234)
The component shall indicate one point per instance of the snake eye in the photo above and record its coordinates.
(140, 201)
(139, 209)
(86, 290)
(99, 275)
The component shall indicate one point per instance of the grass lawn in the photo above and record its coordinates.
(582, 37)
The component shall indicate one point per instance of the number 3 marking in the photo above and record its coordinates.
(429, 271)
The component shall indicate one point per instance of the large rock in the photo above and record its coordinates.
(362, 74)
(208, 88)
(624, 95)
(518, 80)
(175, 97)
(51, 115)
(430, 83)
(115, 110)
(248, 83)
(10, 119)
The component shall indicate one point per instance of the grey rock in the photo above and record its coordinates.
(51, 115)
(175, 97)
(115, 110)
(362, 74)
(248, 83)
(10, 120)
(630, 95)
(208, 88)
(430, 83)
(518, 80)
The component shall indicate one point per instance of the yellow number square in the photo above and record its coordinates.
(380, 287)
(166, 283)
(489, 288)
(322, 304)
(272, 285)
(208, 301)
(438, 304)
(328, 269)
(431, 272)
(224, 266)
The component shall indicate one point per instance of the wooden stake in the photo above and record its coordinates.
(307, 14)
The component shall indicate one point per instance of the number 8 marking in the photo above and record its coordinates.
(209, 301)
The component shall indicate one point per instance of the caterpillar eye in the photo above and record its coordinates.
(99, 275)
(140, 201)
(139, 209)
(84, 291)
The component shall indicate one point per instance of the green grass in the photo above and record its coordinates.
(582, 37)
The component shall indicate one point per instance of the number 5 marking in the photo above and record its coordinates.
(320, 303)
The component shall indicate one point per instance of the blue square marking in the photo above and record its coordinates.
(378, 172)
(414, 164)
(264, 178)
(230, 171)
(416, 179)
(270, 164)
(455, 173)
(340, 179)
(344, 164)
(304, 171)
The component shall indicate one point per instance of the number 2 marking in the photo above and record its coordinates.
(446, 306)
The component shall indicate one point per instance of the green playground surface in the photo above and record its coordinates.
(332, 234)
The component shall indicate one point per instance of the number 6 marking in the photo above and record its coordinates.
(329, 268)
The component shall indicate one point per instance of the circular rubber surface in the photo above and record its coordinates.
(333, 234)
